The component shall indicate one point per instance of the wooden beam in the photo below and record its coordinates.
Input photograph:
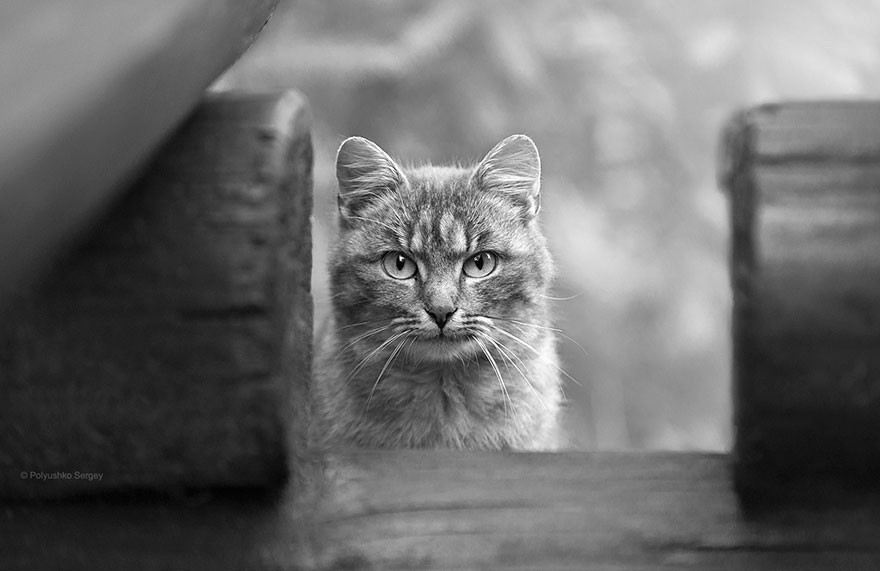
(804, 185)
(89, 89)
(458, 510)
(173, 348)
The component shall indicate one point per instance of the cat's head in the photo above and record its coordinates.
(435, 257)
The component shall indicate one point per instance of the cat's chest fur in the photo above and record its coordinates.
(457, 404)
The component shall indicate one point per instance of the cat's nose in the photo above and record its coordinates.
(441, 314)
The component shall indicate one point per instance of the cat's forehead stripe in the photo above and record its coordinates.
(420, 232)
(452, 234)
(433, 233)
(415, 242)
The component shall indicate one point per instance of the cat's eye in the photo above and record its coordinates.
(480, 265)
(398, 266)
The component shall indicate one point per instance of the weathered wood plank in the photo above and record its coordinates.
(459, 510)
(813, 131)
(804, 184)
(87, 90)
(173, 348)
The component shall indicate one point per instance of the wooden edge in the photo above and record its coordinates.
(235, 179)
(736, 178)
(409, 509)
(788, 287)
(816, 131)
(91, 100)
(295, 269)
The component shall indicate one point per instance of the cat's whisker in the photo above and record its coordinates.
(569, 377)
(504, 350)
(507, 362)
(539, 355)
(504, 358)
(404, 322)
(515, 338)
(374, 221)
(395, 322)
(561, 334)
(568, 298)
(385, 368)
(412, 341)
(485, 351)
(399, 328)
(360, 323)
(479, 327)
(375, 351)
(525, 323)
(329, 298)
(364, 336)
(504, 392)
(502, 347)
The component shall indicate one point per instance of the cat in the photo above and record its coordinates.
(440, 333)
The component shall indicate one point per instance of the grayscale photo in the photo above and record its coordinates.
(439, 284)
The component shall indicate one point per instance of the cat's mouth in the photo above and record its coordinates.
(444, 346)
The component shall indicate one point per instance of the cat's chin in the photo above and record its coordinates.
(443, 349)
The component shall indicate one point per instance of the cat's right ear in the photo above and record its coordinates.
(513, 168)
(364, 172)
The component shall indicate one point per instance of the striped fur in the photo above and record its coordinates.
(386, 374)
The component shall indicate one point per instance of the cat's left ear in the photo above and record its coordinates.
(513, 168)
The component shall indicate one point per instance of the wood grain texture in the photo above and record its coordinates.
(804, 185)
(88, 89)
(458, 510)
(173, 348)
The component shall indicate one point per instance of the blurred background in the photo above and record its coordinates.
(625, 101)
